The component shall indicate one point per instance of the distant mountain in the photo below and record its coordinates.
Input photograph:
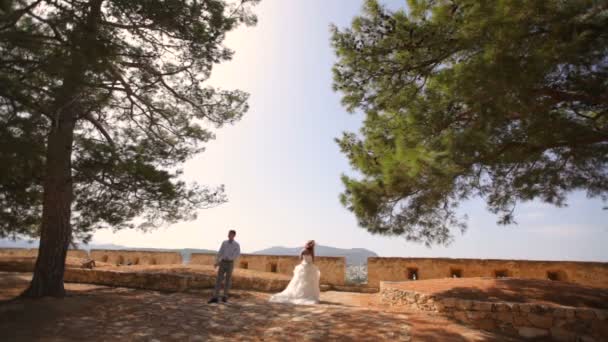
(354, 256)
(8, 243)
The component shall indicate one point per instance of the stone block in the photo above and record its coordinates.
(520, 320)
(530, 332)
(503, 307)
(564, 335)
(586, 314)
(602, 315)
(599, 328)
(464, 304)
(486, 324)
(587, 339)
(482, 306)
(504, 317)
(525, 308)
(563, 312)
(439, 306)
(540, 321)
(476, 315)
(449, 302)
(461, 316)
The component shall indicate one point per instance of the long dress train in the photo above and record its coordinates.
(303, 288)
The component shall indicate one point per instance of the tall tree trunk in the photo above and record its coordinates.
(56, 229)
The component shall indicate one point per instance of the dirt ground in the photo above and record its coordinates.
(98, 313)
(512, 290)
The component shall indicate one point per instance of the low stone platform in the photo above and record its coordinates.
(517, 307)
(100, 313)
(172, 278)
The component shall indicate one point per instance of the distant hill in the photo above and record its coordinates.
(8, 243)
(354, 256)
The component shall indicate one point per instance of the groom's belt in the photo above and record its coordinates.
(226, 260)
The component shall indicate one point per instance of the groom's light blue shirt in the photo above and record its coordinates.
(228, 251)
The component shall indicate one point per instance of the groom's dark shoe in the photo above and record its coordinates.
(212, 300)
(224, 299)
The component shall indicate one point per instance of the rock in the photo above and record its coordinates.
(461, 316)
(299, 319)
(525, 308)
(486, 324)
(519, 320)
(586, 314)
(560, 334)
(505, 317)
(482, 306)
(178, 335)
(541, 321)
(464, 304)
(449, 302)
(274, 330)
(602, 315)
(529, 332)
(563, 312)
(476, 315)
(587, 339)
(503, 307)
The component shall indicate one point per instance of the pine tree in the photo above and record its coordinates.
(507, 101)
(100, 103)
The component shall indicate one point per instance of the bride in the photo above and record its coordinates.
(303, 288)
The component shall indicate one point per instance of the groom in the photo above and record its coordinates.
(228, 253)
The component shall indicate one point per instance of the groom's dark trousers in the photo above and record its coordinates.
(224, 272)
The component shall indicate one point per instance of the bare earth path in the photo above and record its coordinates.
(97, 313)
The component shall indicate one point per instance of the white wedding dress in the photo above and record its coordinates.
(303, 288)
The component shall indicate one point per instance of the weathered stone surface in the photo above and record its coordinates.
(540, 321)
(602, 315)
(476, 315)
(392, 269)
(586, 314)
(461, 316)
(530, 332)
(449, 302)
(482, 306)
(486, 324)
(563, 312)
(464, 304)
(503, 307)
(520, 320)
(504, 317)
(560, 334)
(587, 339)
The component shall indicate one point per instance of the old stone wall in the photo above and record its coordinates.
(332, 268)
(400, 269)
(527, 320)
(33, 252)
(126, 257)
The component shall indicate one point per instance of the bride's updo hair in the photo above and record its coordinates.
(310, 244)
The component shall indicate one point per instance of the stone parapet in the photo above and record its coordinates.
(526, 320)
(333, 269)
(33, 252)
(400, 269)
(136, 257)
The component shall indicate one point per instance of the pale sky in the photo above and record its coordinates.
(282, 168)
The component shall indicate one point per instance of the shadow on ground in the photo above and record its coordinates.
(96, 313)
